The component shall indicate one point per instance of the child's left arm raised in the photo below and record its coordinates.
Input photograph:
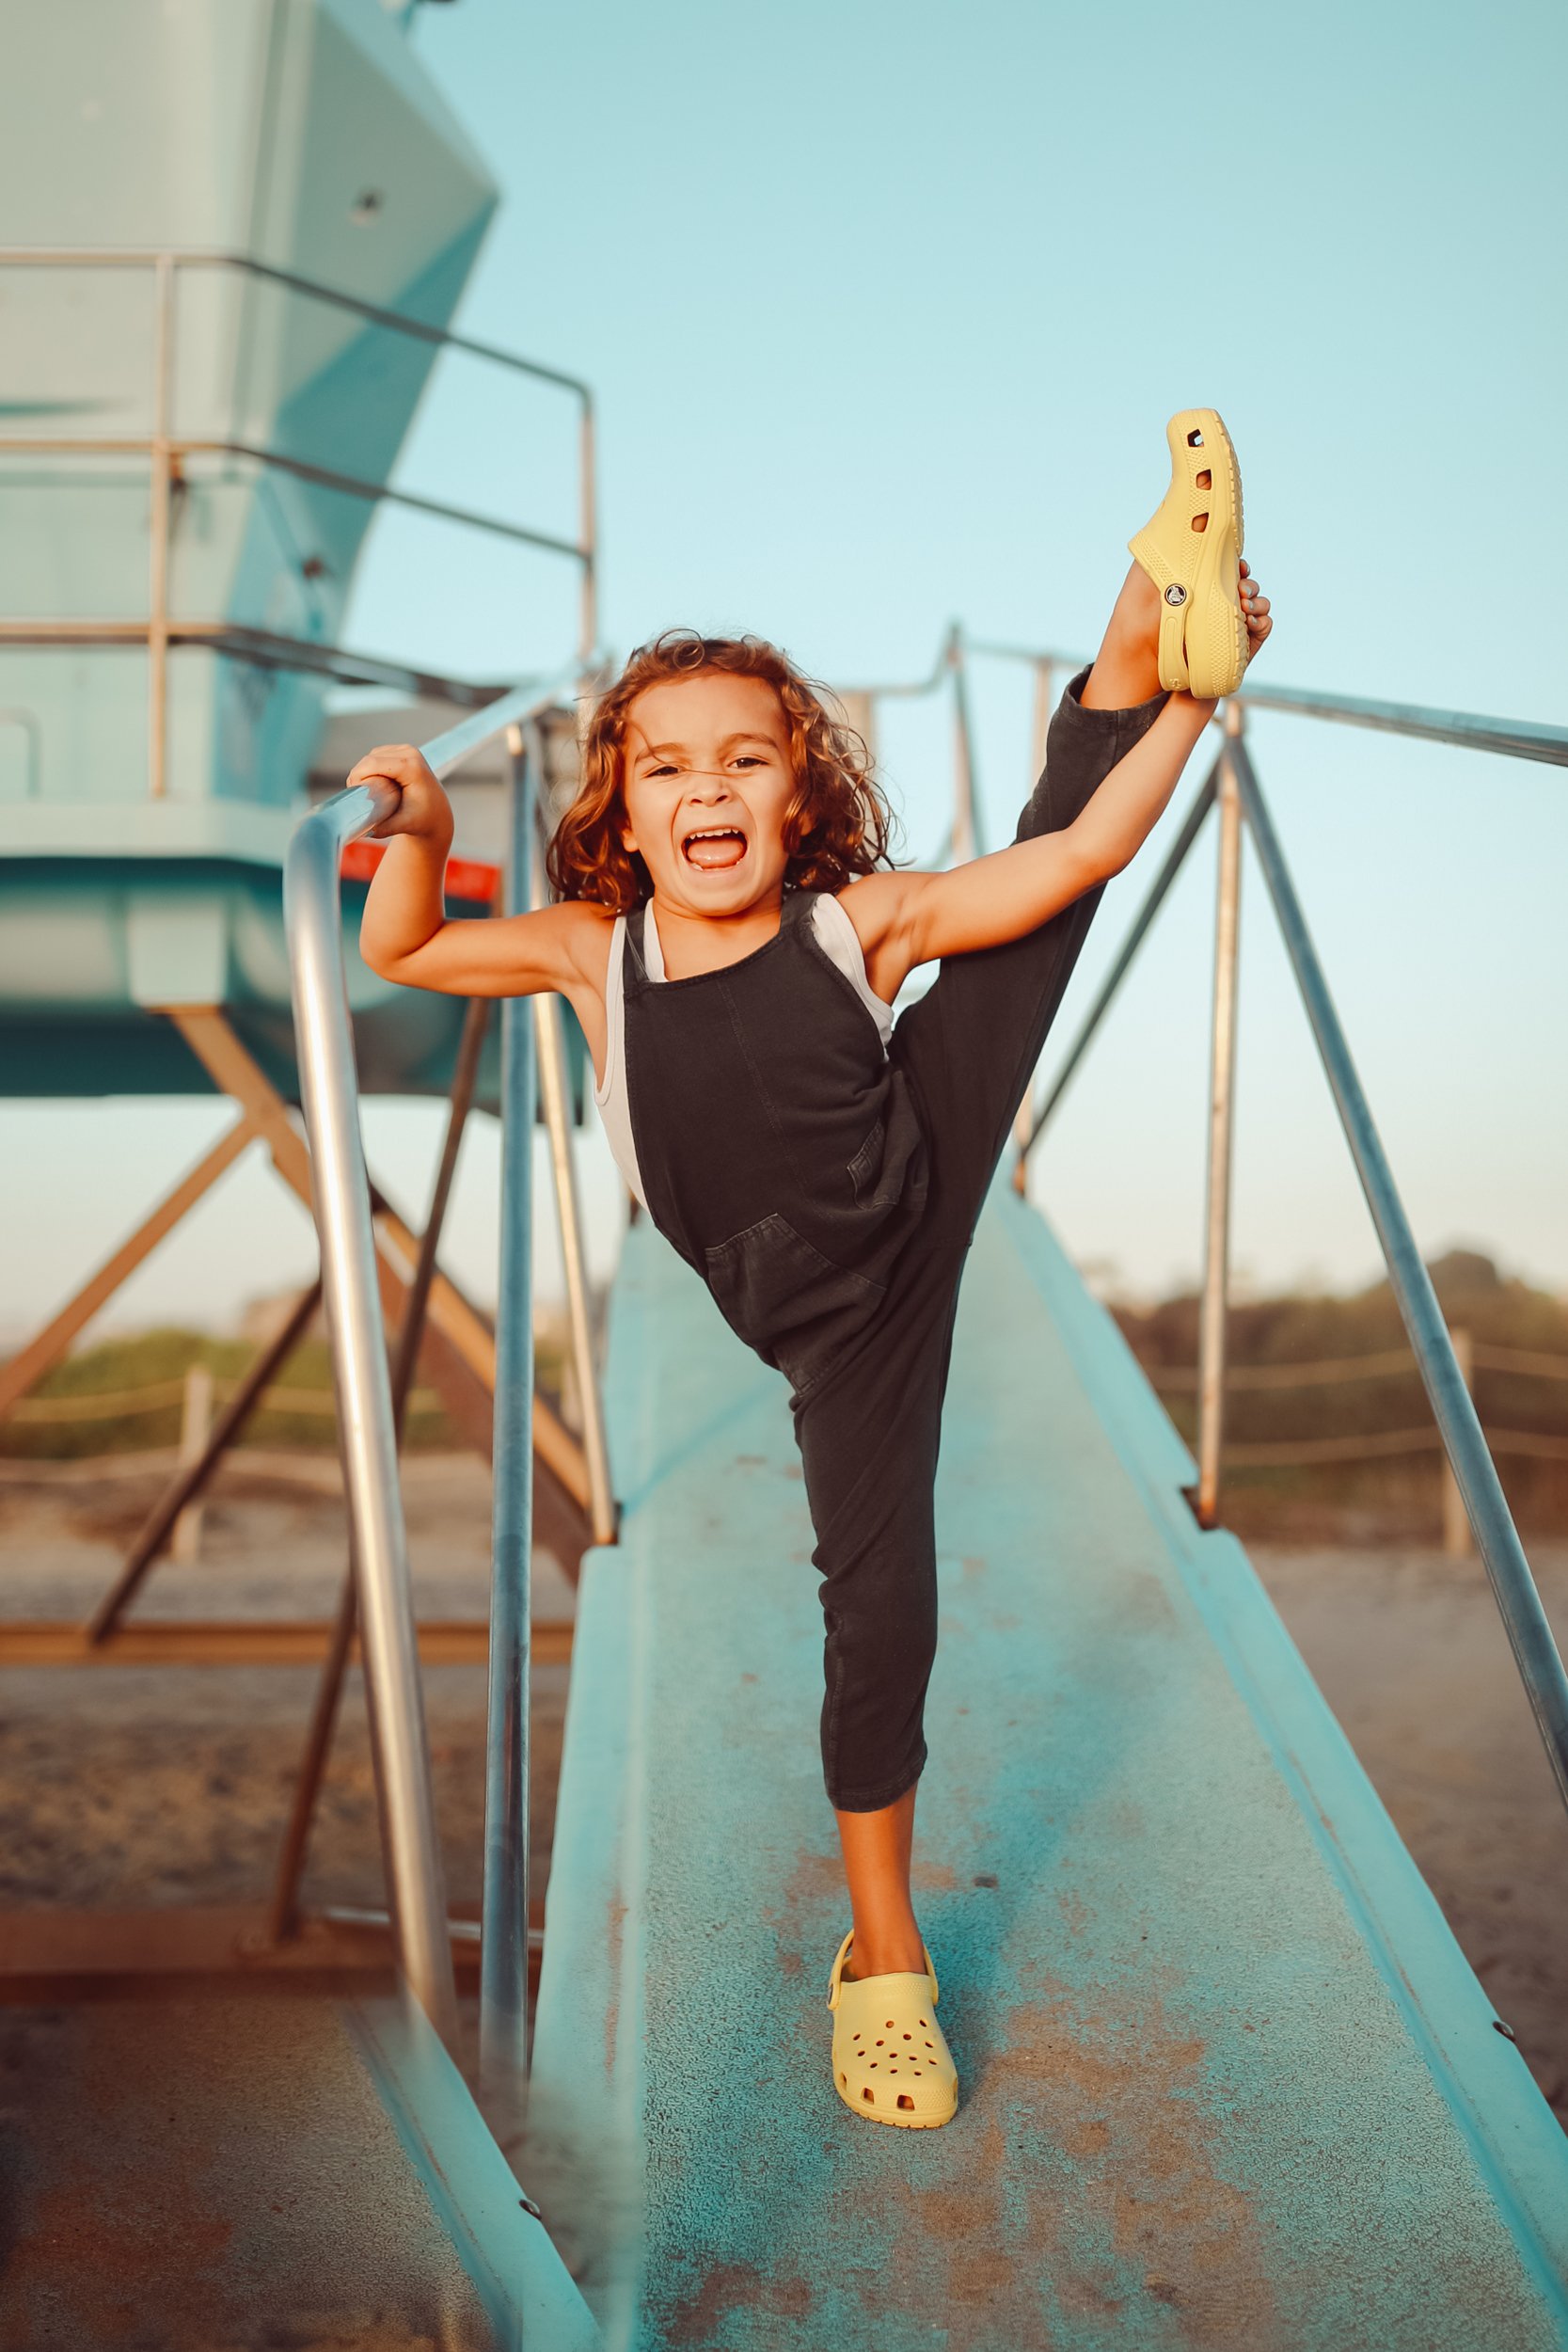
(911, 918)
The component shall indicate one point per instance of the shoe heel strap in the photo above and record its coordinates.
(1173, 640)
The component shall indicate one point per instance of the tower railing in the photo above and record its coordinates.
(167, 452)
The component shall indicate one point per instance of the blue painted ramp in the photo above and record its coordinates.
(1228, 2079)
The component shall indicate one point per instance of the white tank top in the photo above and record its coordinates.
(839, 942)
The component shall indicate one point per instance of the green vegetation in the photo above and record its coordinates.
(157, 1361)
(1393, 1497)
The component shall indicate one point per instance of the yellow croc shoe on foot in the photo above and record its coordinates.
(891, 2058)
(1203, 634)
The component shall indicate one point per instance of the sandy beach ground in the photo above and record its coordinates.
(123, 1787)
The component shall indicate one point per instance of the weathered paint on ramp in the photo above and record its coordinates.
(1228, 2079)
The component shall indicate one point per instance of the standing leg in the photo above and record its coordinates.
(877, 1850)
(869, 1438)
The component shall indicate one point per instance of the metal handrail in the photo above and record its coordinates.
(1233, 785)
(193, 257)
(1516, 738)
(302, 469)
(1530, 1634)
(166, 451)
(330, 1095)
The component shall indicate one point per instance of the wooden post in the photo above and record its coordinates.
(197, 1421)
(1458, 1541)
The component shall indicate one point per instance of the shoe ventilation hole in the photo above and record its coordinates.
(1205, 479)
(878, 2042)
(1201, 522)
(908, 2037)
(890, 2025)
(930, 2045)
(905, 2101)
(1194, 439)
(869, 2093)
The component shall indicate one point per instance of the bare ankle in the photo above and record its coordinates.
(1126, 670)
(899, 1952)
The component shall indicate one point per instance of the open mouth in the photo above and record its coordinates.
(713, 847)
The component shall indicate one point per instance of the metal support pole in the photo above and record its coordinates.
(588, 527)
(284, 1915)
(1025, 1123)
(366, 1432)
(503, 1953)
(1191, 827)
(1044, 678)
(1222, 1080)
(555, 1101)
(966, 822)
(1529, 1632)
(1458, 1540)
(160, 512)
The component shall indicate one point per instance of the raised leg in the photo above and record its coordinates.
(1126, 669)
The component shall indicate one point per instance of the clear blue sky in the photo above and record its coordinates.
(885, 307)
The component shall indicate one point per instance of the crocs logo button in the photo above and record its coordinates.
(1176, 594)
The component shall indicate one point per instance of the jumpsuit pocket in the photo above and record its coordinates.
(786, 1300)
(891, 1165)
(867, 1165)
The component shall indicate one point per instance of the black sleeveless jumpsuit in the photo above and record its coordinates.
(826, 1192)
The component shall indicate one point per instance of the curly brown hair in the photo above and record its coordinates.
(838, 823)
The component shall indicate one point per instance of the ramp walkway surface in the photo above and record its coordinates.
(1228, 2078)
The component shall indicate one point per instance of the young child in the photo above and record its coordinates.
(730, 935)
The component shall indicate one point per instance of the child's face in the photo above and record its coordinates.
(706, 785)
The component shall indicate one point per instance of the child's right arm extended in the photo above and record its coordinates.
(406, 935)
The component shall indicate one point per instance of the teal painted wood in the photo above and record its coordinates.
(1228, 2079)
(89, 947)
(527, 2294)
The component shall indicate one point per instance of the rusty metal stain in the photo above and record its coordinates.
(692, 2319)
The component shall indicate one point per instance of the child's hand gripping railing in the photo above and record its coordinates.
(330, 1096)
(1233, 785)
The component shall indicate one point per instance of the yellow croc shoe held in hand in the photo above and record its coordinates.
(1192, 551)
(890, 2060)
